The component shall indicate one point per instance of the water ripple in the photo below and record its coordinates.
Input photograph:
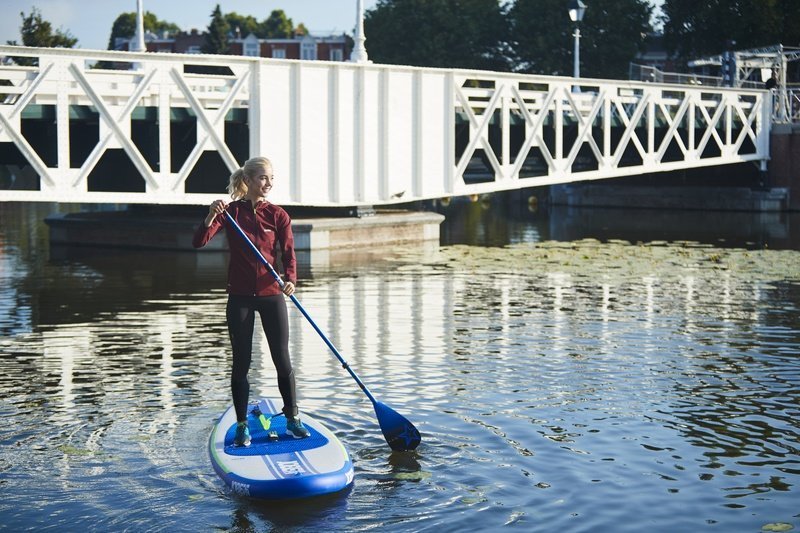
(587, 386)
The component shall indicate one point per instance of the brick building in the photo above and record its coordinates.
(309, 47)
(328, 48)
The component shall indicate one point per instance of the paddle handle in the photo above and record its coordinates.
(297, 303)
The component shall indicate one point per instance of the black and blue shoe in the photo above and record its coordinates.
(242, 437)
(295, 428)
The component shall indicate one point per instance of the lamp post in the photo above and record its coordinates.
(359, 53)
(576, 11)
(138, 39)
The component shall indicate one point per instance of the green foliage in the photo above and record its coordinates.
(301, 30)
(246, 24)
(217, 34)
(615, 31)
(695, 29)
(278, 25)
(541, 32)
(612, 33)
(526, 36)
(438, 33)
(36, 31)
(125, 26)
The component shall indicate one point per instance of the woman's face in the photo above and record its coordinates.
(260, 184)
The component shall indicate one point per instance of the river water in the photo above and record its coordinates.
(569, 370)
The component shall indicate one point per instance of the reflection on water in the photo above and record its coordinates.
(502, 220)
(586, 385)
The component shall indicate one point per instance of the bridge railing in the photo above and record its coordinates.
(648, 73)
(171, 128)
(786, 105)
(785, 109)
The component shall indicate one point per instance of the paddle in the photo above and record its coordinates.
(397, 430)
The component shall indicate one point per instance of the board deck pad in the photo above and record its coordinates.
(280, 468)
(260, 442)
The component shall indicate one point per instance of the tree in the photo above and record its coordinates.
(36, 31)
(244, 25)
(540, 35)
(278, 25)
(695, 29)
(124, 27)
(217, 34)
(612, 33)
(300, 30)
(438, 33)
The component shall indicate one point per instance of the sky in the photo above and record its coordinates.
(91, 20)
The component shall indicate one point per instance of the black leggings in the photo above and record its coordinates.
(240, 313)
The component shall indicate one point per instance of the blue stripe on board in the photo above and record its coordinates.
(303, 460)
(276, 473)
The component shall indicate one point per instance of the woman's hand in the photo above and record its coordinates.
(216, 208)
(288, 288)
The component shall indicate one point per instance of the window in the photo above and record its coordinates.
(308, 50)
(279, 53)
(251, 49)
(336, 54)
(194, 49)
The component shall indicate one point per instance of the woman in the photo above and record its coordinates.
(252, 288)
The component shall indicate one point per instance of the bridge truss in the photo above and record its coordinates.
(342, 134)
(752, 62)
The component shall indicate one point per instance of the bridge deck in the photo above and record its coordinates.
(169, 129)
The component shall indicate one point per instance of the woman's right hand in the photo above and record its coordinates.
(216, 208)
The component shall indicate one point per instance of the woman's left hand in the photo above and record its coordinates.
(288, 288)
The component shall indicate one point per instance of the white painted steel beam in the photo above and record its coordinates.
(349, 134)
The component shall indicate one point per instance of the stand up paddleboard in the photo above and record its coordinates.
(278, 466)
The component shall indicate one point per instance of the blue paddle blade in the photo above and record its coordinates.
(401, 434)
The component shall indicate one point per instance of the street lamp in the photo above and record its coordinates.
(576, 11)
(359, 53)
(138, 39)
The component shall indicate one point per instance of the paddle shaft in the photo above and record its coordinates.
(302, 309)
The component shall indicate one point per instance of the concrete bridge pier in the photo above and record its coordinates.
(170, 228)
(784, 164)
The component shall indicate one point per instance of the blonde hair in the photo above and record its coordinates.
(252, 168)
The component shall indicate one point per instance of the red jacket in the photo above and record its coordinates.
(270, 229)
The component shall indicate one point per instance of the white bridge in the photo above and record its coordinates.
(169, 129)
